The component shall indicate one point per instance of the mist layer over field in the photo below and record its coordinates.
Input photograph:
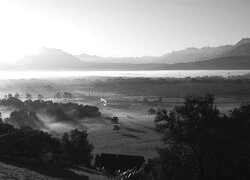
(129, 99)
(131, 74)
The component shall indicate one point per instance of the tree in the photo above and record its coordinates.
(40, 97)
(25, 119)
(66, 146)
(77, 147)
(17, 96)
(28, 96)
(1, 120)
(68, 95)
(114, 120)
(145, 100)
(116, 128)
(10, 95)
(6, 128)
(87, 111)
(58, 95)
(201, 143)
(151, 111)
(238, 147)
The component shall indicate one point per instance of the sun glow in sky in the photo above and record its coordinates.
(119, 27)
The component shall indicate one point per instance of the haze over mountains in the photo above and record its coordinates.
(223, 57)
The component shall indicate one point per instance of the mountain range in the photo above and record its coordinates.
(223, 57)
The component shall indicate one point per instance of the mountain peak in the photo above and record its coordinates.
(50, 58)
(243, 41)
(46, 50)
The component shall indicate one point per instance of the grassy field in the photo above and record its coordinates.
(137, 135)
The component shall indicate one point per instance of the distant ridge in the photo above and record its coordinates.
(241, 48)
(243, 42)
(223, 57)
(195, 54)
(224, 63)
(187, 55)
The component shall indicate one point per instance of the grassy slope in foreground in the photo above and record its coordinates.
(15, 171)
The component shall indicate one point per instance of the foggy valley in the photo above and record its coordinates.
(124, 90)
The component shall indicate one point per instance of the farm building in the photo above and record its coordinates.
(113, 162)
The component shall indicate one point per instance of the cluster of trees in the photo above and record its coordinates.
(174, 87)
(28, 96)
(24, 119)
(73, 147)
(72, 109)
(202, 143)
(16, 95)
(25, 113)
(152, 111)
(77, 148)
(117, 82)
(87, 111)
(66, 95)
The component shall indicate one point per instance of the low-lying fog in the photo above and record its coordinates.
(153, 74)
(129, 99)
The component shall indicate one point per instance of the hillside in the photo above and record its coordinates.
(13, 171)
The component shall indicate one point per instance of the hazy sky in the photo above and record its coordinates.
(120, 27)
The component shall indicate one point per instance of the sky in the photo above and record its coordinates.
(119, 28)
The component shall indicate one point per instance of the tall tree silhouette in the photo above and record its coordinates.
(200, 142)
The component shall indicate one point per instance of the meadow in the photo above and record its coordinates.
(129, 99)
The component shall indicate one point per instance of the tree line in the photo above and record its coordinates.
(200, 143)
(25, 142)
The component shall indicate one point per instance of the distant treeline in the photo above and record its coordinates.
(175, 87)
